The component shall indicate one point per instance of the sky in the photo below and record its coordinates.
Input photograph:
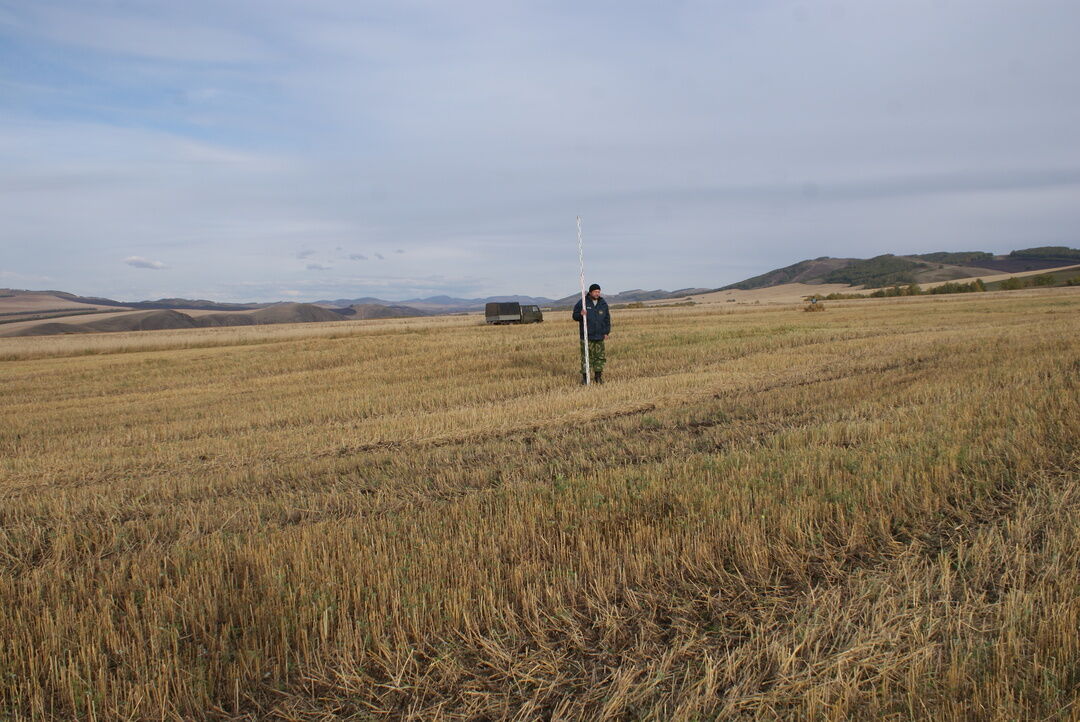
(262, 150)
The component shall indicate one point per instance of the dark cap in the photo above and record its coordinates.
(594, 287)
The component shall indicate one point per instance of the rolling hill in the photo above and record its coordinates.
(889, 269)
(97, 321)
(433, 305)
(42, 313)
(363, 311)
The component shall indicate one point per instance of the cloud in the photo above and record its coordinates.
(399, 251)
(140, 262)
(163, 33)
(391, 288)
(694, 151)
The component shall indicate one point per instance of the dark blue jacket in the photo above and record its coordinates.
(599, 318)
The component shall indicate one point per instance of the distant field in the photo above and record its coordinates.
(1061, 272)
(871, 513)
(1059, 275)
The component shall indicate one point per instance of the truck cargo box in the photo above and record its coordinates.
(512, 312)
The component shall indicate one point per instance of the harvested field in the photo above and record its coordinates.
(868, 513)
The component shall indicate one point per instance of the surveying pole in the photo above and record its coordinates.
(584, 310)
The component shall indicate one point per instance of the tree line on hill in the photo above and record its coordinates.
(911, 289)
(1042, 280)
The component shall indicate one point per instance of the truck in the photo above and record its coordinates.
(512, 312)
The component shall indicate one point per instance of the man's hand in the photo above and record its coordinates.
(605, 336)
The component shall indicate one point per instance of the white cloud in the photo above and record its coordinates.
(319, 267)
(140, 262)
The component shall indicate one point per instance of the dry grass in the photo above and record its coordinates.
(871, 513)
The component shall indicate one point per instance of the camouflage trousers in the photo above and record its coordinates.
(597, 359)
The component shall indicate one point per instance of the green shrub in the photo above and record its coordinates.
(953, 287)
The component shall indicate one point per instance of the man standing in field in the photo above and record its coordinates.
(599, 319)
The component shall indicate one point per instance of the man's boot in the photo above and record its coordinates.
(599, 375)
(584, 379)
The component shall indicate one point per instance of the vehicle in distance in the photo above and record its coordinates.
(512, 312)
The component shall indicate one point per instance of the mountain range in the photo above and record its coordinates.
(450, 304)
(53, 312)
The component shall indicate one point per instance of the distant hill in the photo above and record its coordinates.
(39, 313)
(36, 313)
(294, 313)
(634, 295)
(347, 302)
(188, 304)
(131, 321)
(98, 320)
(438, 304)
(889, 269)
(434, 305)
(1056, 253)
(960, 258)
(884, 270)
(15, 302)
(161, 303)
(374, 310)
(810, 271)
